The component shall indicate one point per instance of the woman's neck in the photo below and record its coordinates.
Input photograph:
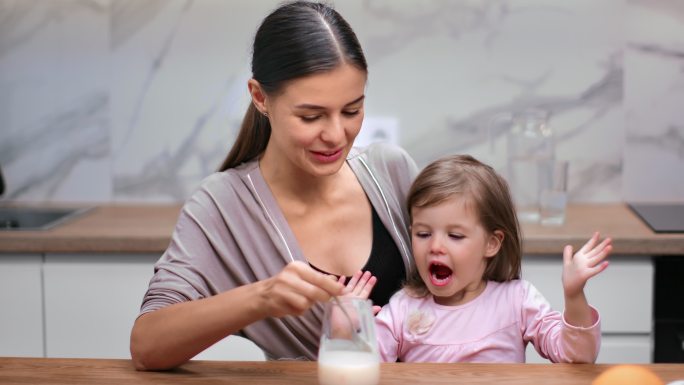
(294, 184)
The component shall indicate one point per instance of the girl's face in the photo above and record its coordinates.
(451, 248)
(315, 120)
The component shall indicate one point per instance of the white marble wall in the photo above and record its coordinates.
(138, 100)
(654, 101)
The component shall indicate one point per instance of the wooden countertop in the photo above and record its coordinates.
(104, 229)
(109, 371)
(148, 228)
(630, 235)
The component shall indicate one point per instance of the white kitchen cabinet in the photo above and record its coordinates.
(84, 305)
(21, 305)
(91, 302)
(623, 295)
(626, 348)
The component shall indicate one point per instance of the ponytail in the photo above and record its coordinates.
(251, 140)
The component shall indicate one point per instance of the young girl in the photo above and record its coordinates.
(466, 301)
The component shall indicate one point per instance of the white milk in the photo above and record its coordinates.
(348, 368)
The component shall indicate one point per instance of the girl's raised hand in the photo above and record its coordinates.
(360, 285)
(584, 264)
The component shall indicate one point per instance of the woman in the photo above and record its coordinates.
(294, 203)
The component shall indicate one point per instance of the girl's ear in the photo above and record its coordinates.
(258, 95)
(494, 243)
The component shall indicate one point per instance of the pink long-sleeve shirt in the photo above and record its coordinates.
(494, 327)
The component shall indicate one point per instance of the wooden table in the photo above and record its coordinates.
(98, 371)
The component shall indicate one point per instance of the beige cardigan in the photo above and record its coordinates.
(231, 232)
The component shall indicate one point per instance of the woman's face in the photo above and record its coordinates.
(314, 121)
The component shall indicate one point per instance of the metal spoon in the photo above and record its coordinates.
(358, 341)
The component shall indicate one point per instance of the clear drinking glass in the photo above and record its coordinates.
(348, 353)
(530, 147)
(553, 199)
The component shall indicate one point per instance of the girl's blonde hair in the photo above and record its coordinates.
(487, 191)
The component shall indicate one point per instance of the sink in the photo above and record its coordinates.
(35, 218)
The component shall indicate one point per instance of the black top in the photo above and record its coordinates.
(384, 262)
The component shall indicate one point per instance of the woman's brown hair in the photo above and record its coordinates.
(487, 191)
(298, 39)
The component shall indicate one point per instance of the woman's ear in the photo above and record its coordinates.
(494, 243)
(258, 95)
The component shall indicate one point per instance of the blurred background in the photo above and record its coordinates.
(139, 100)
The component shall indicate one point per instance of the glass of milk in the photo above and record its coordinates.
(348, 353)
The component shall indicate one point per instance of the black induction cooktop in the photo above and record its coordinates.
(661, 217)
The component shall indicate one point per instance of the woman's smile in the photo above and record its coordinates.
(327, 156)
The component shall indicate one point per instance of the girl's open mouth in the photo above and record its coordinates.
(440, 274)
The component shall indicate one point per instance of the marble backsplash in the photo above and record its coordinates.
(138, 100)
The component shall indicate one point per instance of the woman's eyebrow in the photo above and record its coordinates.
(357, 100)
(316, 107)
